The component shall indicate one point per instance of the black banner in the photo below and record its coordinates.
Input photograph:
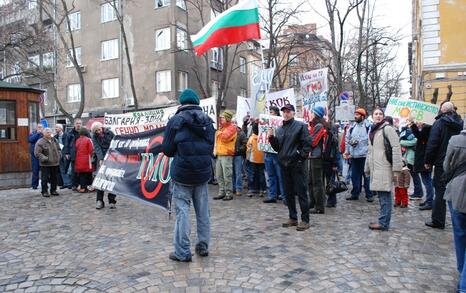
(135, 167)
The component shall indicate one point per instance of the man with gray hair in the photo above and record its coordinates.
(447, 124)
(63, 178)
(47, 151)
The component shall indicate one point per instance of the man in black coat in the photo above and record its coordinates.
(292, 142)
(63, 178)
(447, 124)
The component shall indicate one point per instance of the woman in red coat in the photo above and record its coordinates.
(83, 164)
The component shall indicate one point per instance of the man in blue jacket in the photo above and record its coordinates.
(189, 138)
(33, 138)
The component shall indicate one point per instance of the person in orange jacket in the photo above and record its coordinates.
(225, 140)
(256, 176)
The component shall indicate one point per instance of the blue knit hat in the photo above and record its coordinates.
(319, 111)
(189, 96)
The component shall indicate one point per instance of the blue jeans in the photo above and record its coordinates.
(275, 181)
(340, 163)
(182, 197)
(237, 173)
(416, 181)
(385, 201)
(64, 174)
(458, 221)
(427, 181)
(357, 175)
(35, 171)
(256, 178)
(348, 175)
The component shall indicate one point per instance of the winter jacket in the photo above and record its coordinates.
(253, 154)
(33, 138)
(189, 138)
(410, 145)
(69, 147)
(225, 140)
(102, 143)
(240, 144)
(377, 165)
(316, 133)
(403, 180)
(455, 159)
(422, 137)
(358, 132)
(61, 140)
(291, 142)
(84, 150)
(47, 152)
(445, 126)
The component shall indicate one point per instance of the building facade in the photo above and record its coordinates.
(438, 57)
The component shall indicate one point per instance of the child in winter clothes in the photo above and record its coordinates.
(256, 176)
(401, 187)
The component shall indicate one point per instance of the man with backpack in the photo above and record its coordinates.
(356, 143)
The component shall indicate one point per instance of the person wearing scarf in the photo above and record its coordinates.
(379, 169)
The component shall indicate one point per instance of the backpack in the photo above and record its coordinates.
(354, 125)
(330, 147)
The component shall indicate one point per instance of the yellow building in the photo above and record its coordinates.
(439, 51)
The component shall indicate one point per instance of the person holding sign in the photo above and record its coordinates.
(189, 139)
(292, 143)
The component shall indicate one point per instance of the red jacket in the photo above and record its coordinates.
(84, 150)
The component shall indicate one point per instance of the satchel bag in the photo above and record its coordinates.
(336, 186)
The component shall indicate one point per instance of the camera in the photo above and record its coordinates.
(353, 142)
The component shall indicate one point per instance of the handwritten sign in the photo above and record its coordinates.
(402, 109)
(265, 123)
(261, 80)
(280, 99)
(315, 88)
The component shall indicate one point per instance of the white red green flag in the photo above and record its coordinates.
(237, 24)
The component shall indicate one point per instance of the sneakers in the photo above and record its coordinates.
(370, 199)
(302, 226)
(415, 196)
(272, 200)
(99, 205)
(112, 206)
(173, 257)
(201, 249)
(290, 223)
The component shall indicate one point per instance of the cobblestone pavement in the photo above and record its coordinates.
(63, 244)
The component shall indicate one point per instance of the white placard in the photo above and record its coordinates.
(23, 122)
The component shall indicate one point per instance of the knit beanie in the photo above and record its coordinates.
(319, 111)
(189, 96)
(96, 125)
(228, 115)
(83, 131)
(361, 112)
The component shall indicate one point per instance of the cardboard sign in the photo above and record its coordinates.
(315, 88)
(402, 109)
(265, 123)
(344, 112)
(261, 80)
(280, 99)
(243, 108)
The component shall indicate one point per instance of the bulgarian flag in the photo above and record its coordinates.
(237, 24)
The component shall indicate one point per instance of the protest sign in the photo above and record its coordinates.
(140, 121)
(344, 112)
(243, 109)
(280, 99)
(265, 123)
(261, 80)
(402, 109)
(135, 167)
(315, 88)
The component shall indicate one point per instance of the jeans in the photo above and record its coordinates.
(65, 179)
(49, 175)
(224, 173)
(100, 197)
(385, 201)
(182, 197)
(35, 171)
(458, 221)
(74, 175)
(416, 181)
(439, 207)
(256, 178)
(427, 181)
(340, 163)
(294, 182)
(275, 181)
(348, 175)
(237, 173)
(357, 174)
(316, 185)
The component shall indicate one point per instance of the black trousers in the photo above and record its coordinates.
(439, 207)
(49, 175)
(329, 177)
(74, 175)
(294, 183)
(316, 184)
(85, 179)
(100, 196)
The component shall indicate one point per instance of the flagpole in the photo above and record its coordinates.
(262, 56)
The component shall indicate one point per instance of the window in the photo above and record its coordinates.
(33, 61)
(110, 88)
(107, 12)
(162, 39)
(181, 39)
(73, 93)
(182, 80)
(242, 65)
(293, 79)
(214, 87)
(109, 50)
(7, 120)
(181, 4)
(161, 3)
(243, 93)
(164, 81)
(34, 117)
(75, 21)
(217, 59)
(48, 60)
(32, 4)
(69, 56)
